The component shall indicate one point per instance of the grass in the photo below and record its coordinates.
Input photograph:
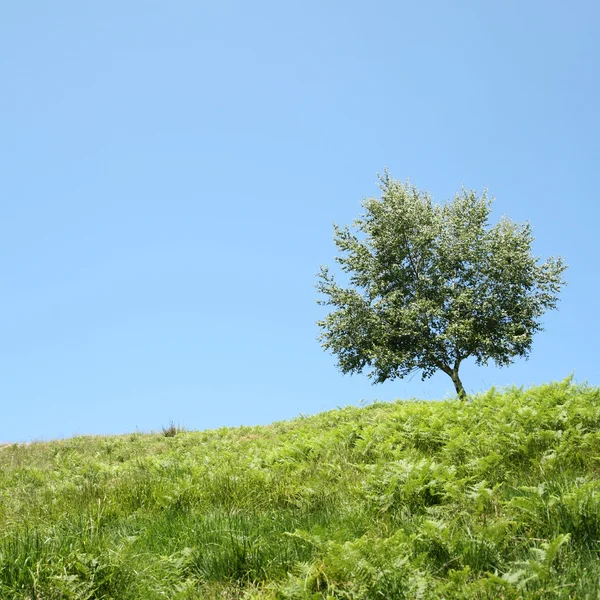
(498, 498)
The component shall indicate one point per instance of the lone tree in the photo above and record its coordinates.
(430, 285)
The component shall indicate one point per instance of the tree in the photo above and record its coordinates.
(430, 285)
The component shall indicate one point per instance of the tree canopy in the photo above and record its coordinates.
(430, 285)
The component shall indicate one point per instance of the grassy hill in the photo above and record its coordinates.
(498, 498)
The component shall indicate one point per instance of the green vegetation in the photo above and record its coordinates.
(430, 285)
(496, 498)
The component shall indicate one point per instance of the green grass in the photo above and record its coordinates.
(497, 498)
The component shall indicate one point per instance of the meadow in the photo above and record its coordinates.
(498, 497)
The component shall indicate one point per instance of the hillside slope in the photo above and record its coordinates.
(498, 498)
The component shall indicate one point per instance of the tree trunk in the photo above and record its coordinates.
(453, 374)
(460, 390)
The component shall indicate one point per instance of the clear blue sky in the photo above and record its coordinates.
(171, 172)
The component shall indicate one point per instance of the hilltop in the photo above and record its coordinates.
(496, 498)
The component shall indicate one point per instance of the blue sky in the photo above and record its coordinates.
(171, 172)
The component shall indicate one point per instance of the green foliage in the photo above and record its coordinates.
(431, 285)
(172, 430)
(498, 498)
